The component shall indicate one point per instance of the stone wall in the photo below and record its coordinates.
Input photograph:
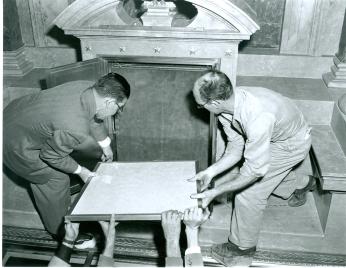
(312, 27)
(269, 16)
(47, 45)
(11, 28)
(291, 27)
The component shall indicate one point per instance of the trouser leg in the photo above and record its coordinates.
(287, 186)
(52, 200)
(250, 203)
(249, 206)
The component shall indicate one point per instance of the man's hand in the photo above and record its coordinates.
(194, 217)
(108, 229)
(71, 230)
(206, 197)
(85, 174)
(204, 177)
(171, 224)
(107, 155)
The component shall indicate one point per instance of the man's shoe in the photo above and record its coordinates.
(231, 255)
(298, 198)
(85, 241)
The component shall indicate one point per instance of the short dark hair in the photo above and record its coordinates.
(215, 85)
(113, 85)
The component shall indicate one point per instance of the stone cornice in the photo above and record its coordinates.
(156, 32)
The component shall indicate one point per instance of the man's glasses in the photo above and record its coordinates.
(120, 108)
(110, 102)
(201, 106)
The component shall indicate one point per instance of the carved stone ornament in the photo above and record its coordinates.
(221, 19)
(158, 13)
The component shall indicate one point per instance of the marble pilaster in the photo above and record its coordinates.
(312, 27)
(337, 77)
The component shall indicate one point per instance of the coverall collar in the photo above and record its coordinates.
(238, 98)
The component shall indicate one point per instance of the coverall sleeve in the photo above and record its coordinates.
(235, 141)
(56, 151)
(257, 146)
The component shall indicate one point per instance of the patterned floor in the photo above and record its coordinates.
(37, 244)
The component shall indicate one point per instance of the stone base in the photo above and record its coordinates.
(332, 81)
(337, 77)
(15, 63)
(304, 229)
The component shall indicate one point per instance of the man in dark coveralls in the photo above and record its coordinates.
(42, 130)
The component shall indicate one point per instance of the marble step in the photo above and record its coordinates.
(278, 218)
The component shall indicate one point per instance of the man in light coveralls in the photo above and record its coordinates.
(270, 134)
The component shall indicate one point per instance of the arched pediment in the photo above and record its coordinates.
(221, 15)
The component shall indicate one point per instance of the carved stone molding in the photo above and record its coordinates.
(82, 19)
(79, 13)
(15, 63)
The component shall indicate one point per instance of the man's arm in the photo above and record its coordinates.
(63, 254)
(171, 225)
(56, 153)
(232, 155)
(234, 148)
(193, 219)
(108, 228)
(257, 159)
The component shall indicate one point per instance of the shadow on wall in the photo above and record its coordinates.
(200, 114)
(66, 40)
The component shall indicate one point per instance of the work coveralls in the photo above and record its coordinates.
(270, 132)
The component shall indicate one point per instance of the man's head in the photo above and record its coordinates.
(111, 93)
(212, 90)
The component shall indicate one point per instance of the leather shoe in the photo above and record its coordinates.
(298, 198)
(230, 254)
(85, 241)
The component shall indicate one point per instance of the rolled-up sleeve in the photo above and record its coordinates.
(235, 141)
(257, 146)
